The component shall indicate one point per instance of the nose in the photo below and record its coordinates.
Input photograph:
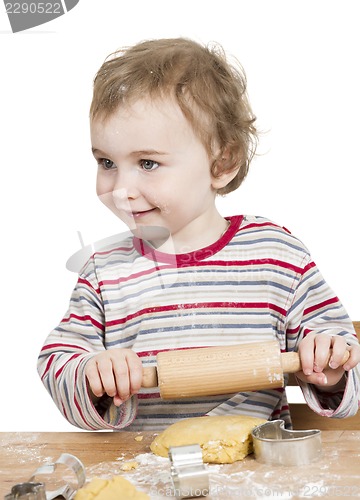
(120, 198)
(125, 187)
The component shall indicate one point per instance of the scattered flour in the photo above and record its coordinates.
(26, 451)
(244, 479)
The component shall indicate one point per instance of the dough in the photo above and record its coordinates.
(223, 439)
(110, 489)
(129, 466)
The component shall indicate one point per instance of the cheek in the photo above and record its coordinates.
(104, 191)
(160, 196)
(103, 185)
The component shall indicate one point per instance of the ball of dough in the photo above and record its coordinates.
(223, 439)
(110, 489)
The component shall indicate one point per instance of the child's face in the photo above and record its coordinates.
(153, 169)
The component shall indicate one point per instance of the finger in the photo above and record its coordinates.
(135, 373)
(322, 349)
(117, 401)
(105, 369)
(354, 357)
(318, 379)
(339, 348)
(122, 379)
(94, 380)
(306, 353)
(314, 378)
(128, 381)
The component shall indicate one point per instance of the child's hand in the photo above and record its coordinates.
(115, 372)
(314, 351)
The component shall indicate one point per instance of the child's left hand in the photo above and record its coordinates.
(317, 368)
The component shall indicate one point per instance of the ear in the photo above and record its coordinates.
(224, 179)
(223, 170)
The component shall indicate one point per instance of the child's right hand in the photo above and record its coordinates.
(115, 372)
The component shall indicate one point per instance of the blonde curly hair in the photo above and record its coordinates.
(209, 90)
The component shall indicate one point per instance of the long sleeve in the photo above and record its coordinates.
(316, 309)
(62, 361)
(256, 283)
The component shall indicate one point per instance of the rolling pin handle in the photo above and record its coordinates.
(150, 378)
(290, 361)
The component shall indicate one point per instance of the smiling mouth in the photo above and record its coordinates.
(142, 213)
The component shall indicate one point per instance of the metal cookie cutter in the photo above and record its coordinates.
(28, 491)
(36, 490)
(275, 445)
(189, 475)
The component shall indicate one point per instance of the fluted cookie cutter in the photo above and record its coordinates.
(275, 445)
(35, 490)
(188, 473)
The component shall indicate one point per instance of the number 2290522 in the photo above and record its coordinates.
(33, 8)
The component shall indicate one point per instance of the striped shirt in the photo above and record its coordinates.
(256, 283)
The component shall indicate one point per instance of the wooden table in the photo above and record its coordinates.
(335, 476)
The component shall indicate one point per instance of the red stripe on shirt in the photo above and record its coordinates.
(53, 346)
(205, 305)
(84, 318)
(316, 307)
(77, 403)
(48, 365)
(61, 369)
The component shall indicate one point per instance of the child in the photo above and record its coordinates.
(171, 127)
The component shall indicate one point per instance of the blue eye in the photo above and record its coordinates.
(106, 163)
(149, 165)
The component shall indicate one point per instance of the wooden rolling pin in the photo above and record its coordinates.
(210, 371)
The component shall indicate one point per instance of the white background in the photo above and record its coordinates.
(301, 60)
